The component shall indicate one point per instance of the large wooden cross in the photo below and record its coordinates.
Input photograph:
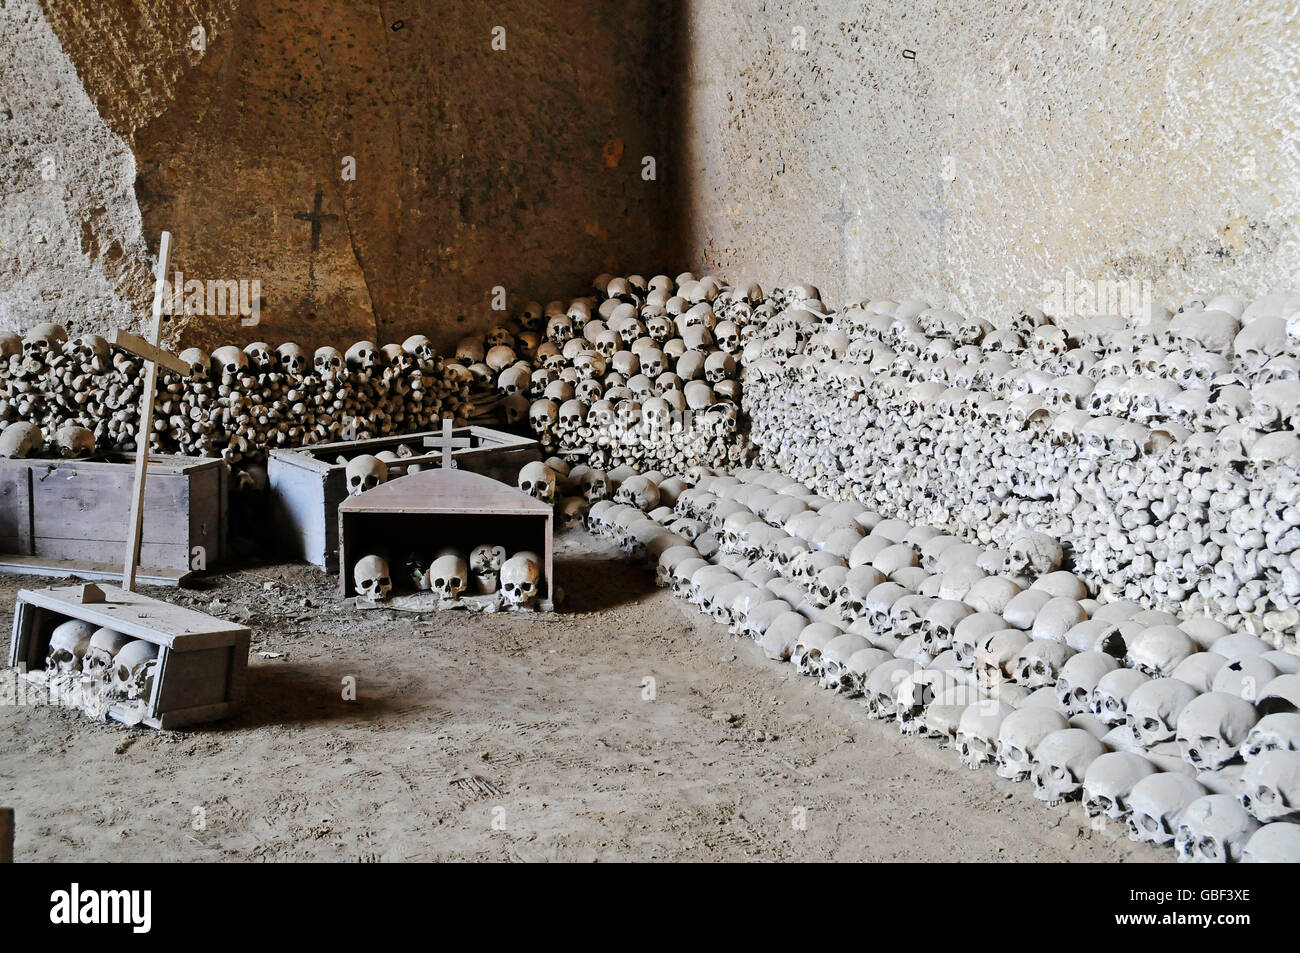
(153, 356)
(447, 443)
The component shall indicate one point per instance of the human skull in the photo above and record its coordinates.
(538, 481)
(1157, 803)
(1109, 781)
(977, 731)
(1019, 736)
(21, 439)
(1060, 763)
(1154, 707)
(371, 578)
(104, 645)
(1212, 727)
(1271, 786)
(327, 361)
(448, 576)
(365, 472)
(68, 645)
(1214, 829)
(521, 577)
(132, 673)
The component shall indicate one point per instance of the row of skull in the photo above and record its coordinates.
(122, 666)
(453, 574)
(1048, 700)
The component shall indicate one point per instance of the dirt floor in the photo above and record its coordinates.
(512, 737)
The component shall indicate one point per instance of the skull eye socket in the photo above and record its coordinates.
(455, 582)
(383, 582)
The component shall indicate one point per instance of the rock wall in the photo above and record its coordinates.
(377, 170)
(987, 156)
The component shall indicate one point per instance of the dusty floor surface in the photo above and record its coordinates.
(512, 737)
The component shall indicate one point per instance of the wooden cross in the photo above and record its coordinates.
(153, 356)
(446, 443)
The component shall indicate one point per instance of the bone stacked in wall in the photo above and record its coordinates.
(1186, 734)
(1164, 460)
(71, 398)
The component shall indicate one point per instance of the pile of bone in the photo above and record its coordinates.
(70, 398)
(641, 374)
(1185, 734)
(508, 581)
(1163, 454)
(572, 490)
(116, 666)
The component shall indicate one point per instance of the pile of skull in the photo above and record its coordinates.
(1161, 451)
(99, 664)
(641, 374)
(1184, 733)
(237, 403)
(498, 580)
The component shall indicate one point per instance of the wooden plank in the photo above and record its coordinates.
(59, 568)
(142, 348)
(69, 503)
(144, 429)
(178, 628)
(16, 508)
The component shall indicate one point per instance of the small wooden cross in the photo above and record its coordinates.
(447, 443)
(153, 356)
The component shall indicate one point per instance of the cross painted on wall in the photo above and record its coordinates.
(317, 216)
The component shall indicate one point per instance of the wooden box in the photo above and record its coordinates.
(308, 484)
(202, 661)
(61, 517)
(437, 508)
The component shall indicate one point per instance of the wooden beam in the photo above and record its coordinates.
(142, 348)
(145, 427)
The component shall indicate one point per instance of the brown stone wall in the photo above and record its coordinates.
(474, 167)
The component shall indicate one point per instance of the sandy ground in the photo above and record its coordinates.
(512, 737)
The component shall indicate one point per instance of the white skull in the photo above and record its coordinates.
(1157, 804)
(1019, 736)
(1214, 829)
(538, 481)
(1060, 762)
(132, 672)
(364, 355)
(1109, 781)
(448, 576)
(68, 645)
(1212, 727)
(327, 361)
(1271, 786)
(1109, 699)
(21, 439)
(103, 648)
(977, 731)
(485, 567)
(1274, 843)
(74, 441)
(293, 359)
(371, 578)
(1154, 707)
(365, 472)
(521, 577)
(1277, 732)
(1077, 678)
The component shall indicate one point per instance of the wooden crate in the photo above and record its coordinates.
(308, 484)
(443, 508)
(60, 517)
(202, 661)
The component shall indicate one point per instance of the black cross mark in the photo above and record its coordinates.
(316, 218)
